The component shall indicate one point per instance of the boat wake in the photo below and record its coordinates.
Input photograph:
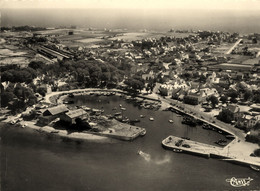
(147, 157)
(163, 161)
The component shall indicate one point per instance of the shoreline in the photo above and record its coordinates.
(234, 147)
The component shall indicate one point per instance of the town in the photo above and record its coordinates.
(211, 76)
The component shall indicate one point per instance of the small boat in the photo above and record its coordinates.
(54, 131)
(117, 114)
(230, 136)
(177, 150)
(120, 105)
(254, 167)
(143, 133)
(123, 109)
(142, 116)
(170, 121)
(136, 120)
(221, 143)
(151, 119)
(125, 120)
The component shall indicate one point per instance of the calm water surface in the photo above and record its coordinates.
(32, 161)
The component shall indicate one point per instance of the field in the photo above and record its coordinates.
(86, 37)
(10, 54)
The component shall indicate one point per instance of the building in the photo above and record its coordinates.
(52, 113)
(206, 92)
(247, 121)
(71, 116)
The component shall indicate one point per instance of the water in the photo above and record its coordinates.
(231, 20)
(31, 161)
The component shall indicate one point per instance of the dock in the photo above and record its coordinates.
(205, 150)
(191, 147)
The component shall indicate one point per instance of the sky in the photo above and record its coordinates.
(134, 4)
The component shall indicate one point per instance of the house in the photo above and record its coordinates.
(247, 121)
(52, 113)
(206, 92)
(233, 108)
(71, 116)
(212, 79)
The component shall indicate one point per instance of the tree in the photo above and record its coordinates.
(36, 65)
(248, 95)
(6, 97)
(223, 99)
(226, 116)
(256, 98)
(42, 91)
(232, 93)
(190, 100)
(135, 84)
(163, 91)
(214, 100)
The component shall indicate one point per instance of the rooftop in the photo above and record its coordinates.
(57, 109)
(76, 113)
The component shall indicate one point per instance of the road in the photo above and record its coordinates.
(234, 46)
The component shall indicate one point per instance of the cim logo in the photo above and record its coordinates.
(239, 182)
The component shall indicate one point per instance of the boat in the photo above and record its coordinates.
(254, 167)
(117, 114)
(125, 120)
(120, 105)
(230, 136)
(187, 138)
(207, 127)
(143, 133)
(177, 150)
(123, 108)
(170, 121)
(221, 143)
(68, 102)
(151, 119)
(55, 131)
(136, 120)
(142, 116)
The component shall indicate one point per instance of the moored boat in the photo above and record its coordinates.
(151, 119)
(170, 121)
(230, 136)
(143, 133)
(254, 167)
(177, 150)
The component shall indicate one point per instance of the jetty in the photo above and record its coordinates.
(205, 150)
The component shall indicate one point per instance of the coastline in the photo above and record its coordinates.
(238, 149)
